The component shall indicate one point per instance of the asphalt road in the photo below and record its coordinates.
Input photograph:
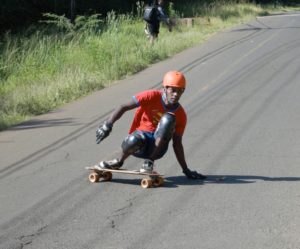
(243, 108)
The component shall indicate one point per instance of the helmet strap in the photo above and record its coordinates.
(164, 95)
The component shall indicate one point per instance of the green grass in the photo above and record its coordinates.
(44, 70)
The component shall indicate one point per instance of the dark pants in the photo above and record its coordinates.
(153, 28)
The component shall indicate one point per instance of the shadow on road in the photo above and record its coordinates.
(242, 179)
(36, 123)
(177, 181)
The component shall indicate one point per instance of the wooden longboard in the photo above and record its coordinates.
(153, 179)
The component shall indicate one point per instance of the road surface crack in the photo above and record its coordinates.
(28, 239)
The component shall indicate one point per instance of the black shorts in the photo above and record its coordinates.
(153, 28)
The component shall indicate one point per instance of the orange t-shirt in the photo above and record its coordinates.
(151, 108)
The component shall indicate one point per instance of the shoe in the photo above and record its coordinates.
(147, 166)
(110, 164)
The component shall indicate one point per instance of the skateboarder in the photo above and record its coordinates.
(159, 117)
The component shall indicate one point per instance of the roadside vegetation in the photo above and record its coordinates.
(44, 68)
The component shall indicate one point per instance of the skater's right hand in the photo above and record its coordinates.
(103, 131)
(193, 174)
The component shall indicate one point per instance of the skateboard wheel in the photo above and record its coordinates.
(107, 176)
(94, 177)
(146, 183)
(159, 181)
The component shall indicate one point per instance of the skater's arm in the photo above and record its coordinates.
(179, 152)
(104, 130)
(119, 111)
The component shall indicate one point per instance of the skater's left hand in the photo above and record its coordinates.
(193, 174)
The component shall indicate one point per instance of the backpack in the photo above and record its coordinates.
(150, 14)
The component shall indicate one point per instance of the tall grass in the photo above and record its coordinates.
(42, 70)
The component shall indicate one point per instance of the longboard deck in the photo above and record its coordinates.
(124, 171)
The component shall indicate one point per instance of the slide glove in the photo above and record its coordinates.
(193, 174)
(103, 131)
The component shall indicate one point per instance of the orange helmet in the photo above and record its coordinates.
(175, 79)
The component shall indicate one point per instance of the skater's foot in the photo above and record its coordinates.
(147, 166)
(110, 164)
